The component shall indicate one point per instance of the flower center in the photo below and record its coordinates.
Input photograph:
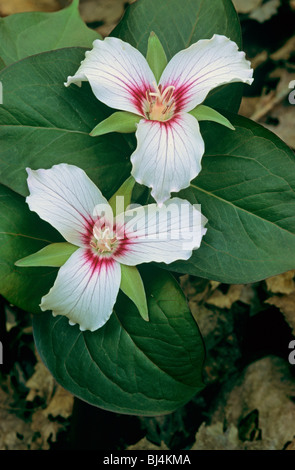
(104, 240)
(160, 105)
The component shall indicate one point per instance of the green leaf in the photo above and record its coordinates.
(21, 233)
(26, 34)
(54, 255)
(132, 286)
(156, 56)
(247, 191)
(43, 123)
(125, 191)
(129, 366)
(2, 64)
(121, 121)
(179, 24)
(204, 113)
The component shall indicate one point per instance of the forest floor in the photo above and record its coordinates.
(249, 398)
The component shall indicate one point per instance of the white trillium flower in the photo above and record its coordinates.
(169, 142)
(87, 285)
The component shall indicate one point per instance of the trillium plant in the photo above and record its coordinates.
(87, 285)
(163, 106)
(124, 165)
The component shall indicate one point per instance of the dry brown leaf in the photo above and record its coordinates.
(236, 292)
(58, 402)
(266, 387)
(17, 6)
(41, 383)
(195, 290)
(61, 404)
(265, 11)
(221, 300)
(285, 51)
(216, 438)
(259, 59)
(246, 6)
(249, 105)
(285, 128)
(45, 429)
(281, 284)
(15, 434)
(286, 304)
(107, 11)
(144, 444)
(291, 446)
(268, 102)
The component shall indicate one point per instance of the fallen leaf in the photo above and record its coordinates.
(57, 403)
(107, 11)
(15, 433)
(18, 6)
(45, 429)
(286, 304)
(61, 404)
(291, 446)
(265, 11)
(281, 284)
(221, 300)
(269, 101)
(285, 115)
(144, 444)
(214, 437)
(246, 6)
(249, 105)
(41, 384)
(285, 52)
(265, 389)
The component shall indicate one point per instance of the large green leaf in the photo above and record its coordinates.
(247, 192)
(43, 123)
(25, 34)
(130, 365)
(178, 24)
(23, 233)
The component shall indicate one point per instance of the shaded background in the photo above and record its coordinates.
(249, 398)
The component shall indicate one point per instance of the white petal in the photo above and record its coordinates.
(203, 66)
(85, 290)
(65, 197)
(168, 155)
(162, 234)
(119, 74)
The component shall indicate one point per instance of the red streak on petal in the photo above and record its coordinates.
(88, 230)
(97, 263)
(138, 95)
(181, 95)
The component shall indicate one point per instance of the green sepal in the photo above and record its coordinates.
(53, 255)
(121, 121)
(204, 113)
(125, 192)
(132, 286)
(156, 56)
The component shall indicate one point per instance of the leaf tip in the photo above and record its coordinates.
(19, 263)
